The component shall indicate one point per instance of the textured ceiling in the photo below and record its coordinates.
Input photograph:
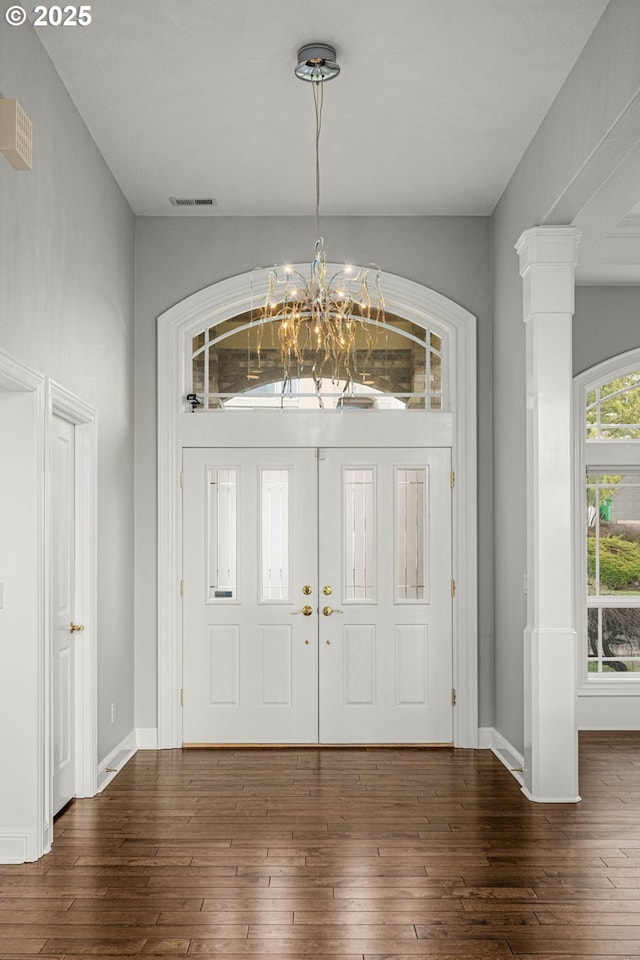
(436, 103)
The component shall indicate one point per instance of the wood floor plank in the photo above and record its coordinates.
(354, 854)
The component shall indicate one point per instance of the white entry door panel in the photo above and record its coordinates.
(385, 628)
(62, 608)
(250, 654)
(362, 539)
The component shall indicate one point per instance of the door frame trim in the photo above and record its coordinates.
(29, 837)
(228, 298)
(64, 404)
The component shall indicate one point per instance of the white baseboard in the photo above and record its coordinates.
(490, 739)
(115, 760)
(533, 799)
(16, 848)
(147, 738)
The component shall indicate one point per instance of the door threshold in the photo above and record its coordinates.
(314, 746)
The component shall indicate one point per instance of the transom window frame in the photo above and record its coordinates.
(609, 457)
(434, 401)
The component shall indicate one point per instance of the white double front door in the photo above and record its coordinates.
(317, 596)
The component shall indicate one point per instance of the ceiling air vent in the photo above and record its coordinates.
(193, 201)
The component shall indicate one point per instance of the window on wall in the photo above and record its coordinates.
(609, 502)
(613, 409)
(237, 364)
(613, 572)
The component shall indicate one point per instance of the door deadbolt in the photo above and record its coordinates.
(327, 590)
(307, 589)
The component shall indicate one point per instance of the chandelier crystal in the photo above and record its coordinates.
(326, 325)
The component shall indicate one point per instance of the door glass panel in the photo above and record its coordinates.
(222, 534)
(358, 535)
(410, 533)
(274, 535)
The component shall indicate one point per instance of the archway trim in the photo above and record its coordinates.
(229, 298)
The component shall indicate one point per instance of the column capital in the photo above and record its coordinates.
(548, 257)
(548, 245)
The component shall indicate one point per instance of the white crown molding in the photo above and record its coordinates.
(16, 376)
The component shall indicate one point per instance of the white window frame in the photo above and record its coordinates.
(610, 456)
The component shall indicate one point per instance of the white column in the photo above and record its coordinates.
(548, 258)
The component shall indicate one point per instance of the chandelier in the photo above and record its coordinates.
(325, 325)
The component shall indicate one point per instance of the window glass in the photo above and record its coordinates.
(222, 534)
(237, 364)
(358, 534)
(613, 572)
(410, 534)
(613, 409)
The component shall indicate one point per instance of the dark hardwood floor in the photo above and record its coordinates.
(341, 854)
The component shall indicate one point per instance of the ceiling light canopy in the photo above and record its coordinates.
(317, 62)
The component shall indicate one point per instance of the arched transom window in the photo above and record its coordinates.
(237, 364)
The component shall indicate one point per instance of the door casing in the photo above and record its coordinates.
(61, 403)
(454, 427)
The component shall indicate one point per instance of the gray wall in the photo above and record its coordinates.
(546, 188)
(606, 323)
(66, 309)
(175, 257)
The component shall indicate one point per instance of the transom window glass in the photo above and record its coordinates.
(237, 364)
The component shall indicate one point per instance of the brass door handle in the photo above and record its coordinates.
(306, 611)
(76, 627)
(330, 610)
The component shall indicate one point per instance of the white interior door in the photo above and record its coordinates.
(249, 555)
(62, 608)
(386, 626)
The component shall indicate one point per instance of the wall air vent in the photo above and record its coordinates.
(193, 201)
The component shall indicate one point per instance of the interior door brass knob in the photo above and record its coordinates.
(306, 610)
(330, 610)
(76, 627)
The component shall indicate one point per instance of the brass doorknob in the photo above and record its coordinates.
(76, 627)
(329, 610)
(306, 611)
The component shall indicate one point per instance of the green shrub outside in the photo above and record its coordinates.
(619, 562)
